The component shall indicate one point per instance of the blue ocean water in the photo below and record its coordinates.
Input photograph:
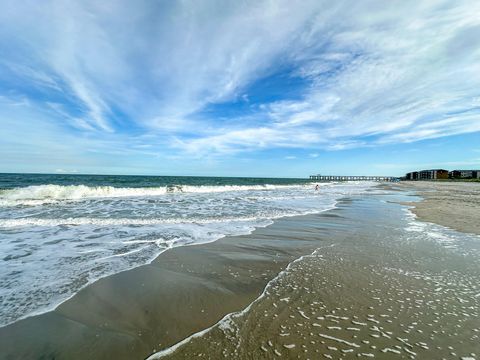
(9, 181)
(58, 233)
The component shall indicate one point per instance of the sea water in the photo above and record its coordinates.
(58, 233)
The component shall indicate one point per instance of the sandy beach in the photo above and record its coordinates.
(374, 293)
(132, 314)
(244, 180)
(368, 280)
(452, 204)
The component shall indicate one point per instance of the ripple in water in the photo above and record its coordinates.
(56, 239)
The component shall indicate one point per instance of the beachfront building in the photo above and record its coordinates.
(412, 175)
(465, 174)
(435, 174)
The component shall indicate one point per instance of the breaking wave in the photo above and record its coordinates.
(42, 194)
(7, 223)
(77, 234)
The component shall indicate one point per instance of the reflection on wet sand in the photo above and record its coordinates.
(382, 290)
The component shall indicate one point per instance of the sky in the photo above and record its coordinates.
(239, 88)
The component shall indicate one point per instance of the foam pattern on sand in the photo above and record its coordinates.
(386, 294)
(77, 234)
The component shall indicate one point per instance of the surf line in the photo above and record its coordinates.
(233, 315)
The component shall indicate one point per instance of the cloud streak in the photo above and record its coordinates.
(365, 73)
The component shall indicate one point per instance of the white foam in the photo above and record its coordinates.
(442, 235)
(79, 242)
(342, 341)
(41, 194)
(45, 222)
(229, 317)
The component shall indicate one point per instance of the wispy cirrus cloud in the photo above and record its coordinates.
(380, 76)
(217, 77)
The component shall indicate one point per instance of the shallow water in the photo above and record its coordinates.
(60, 233)
(387, 286)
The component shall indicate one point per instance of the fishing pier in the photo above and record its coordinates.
(352, 178)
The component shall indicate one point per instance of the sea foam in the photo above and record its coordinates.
(40, 194)
(77, 234)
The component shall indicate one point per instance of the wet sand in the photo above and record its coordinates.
(377, 292)
(452, 204)
(132, 314)
(370, 289)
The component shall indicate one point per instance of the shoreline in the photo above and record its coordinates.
(382, 293)
(196, 299)
(91, 313)
(455, 205)
(156, 258)
(228, 317)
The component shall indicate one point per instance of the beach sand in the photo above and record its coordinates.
(137, 312)
(366, 288)
(375, 293)
(452, 204)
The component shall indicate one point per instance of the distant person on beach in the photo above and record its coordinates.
(316, 187)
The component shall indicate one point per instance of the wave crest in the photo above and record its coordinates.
(8, 223)
(41, 194)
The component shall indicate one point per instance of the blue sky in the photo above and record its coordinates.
(239, 88)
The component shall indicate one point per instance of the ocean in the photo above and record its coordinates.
(59, 233)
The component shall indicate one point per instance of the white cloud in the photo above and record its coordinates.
(379, 74)
(374, 72)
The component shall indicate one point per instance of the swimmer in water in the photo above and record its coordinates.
(316, 187)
